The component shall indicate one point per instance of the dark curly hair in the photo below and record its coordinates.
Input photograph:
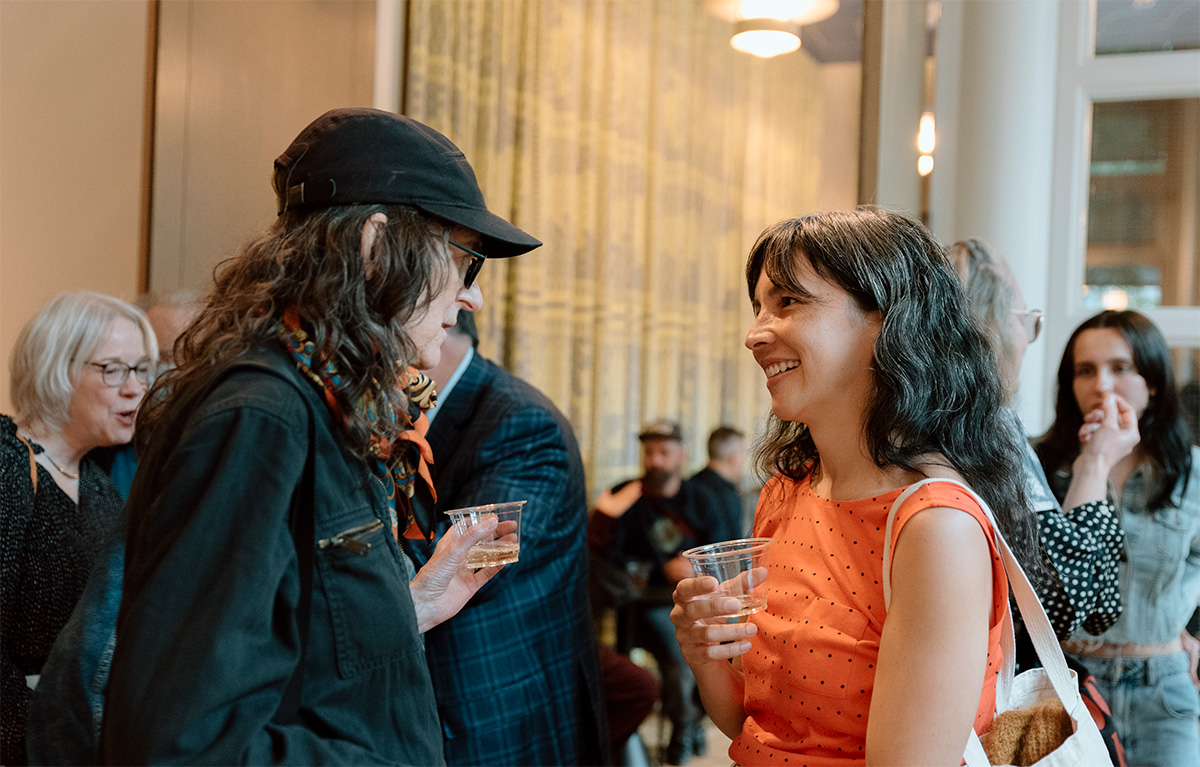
(937, 389)
(312, 260)
(1163, 431)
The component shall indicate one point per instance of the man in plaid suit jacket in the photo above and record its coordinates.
(515, 673)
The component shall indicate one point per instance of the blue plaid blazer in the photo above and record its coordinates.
(516, 673)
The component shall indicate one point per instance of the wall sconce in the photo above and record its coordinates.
(926, 139)
(767, 28)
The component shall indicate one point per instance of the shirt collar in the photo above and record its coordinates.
(444, 392)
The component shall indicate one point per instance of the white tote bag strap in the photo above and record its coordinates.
(1036, 622)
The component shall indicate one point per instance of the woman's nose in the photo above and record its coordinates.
(133, 386)
(757, 335)
(471, 298)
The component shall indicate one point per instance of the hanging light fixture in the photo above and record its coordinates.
(767, 28)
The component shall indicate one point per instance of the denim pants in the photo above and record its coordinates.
(1154, 705)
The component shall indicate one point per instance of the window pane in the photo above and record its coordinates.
(1142, 205)
(1138, 26)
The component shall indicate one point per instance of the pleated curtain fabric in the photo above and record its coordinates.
(647, 155)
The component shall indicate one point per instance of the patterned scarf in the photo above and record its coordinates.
(399, 461)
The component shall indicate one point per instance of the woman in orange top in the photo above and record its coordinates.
(878, 379)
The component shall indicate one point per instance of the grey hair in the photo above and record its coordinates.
(53, 346)
(991, 296)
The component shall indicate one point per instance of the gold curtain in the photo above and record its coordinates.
(647, 155)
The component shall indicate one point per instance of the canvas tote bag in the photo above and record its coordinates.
(1084, 747)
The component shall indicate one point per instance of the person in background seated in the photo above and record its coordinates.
(529, 691)
(269, 614)
(648, 523)
(878, 379)
(1084, 543)
(79, 369)
(722, 476)
(1139, 663)
(630, 693)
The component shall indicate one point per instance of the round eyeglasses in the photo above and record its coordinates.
(1032, 320)
(116, 373)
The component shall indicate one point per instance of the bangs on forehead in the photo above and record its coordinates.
(776, 254)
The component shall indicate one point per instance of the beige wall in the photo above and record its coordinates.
(237, 80)
(841, 89)
(72, 108)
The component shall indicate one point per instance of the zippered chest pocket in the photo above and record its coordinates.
(367, 592)
(354, 539)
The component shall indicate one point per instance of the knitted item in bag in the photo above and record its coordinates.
(1023, 736)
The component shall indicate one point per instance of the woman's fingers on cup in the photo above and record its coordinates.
(687, 589)
(702, 636)
(698, 599)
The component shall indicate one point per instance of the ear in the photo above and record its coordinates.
(370, 231)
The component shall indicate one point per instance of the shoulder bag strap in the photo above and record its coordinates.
(32, 462)
(1036, 622)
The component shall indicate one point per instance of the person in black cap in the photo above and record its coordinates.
(269, 614)
(643, 526)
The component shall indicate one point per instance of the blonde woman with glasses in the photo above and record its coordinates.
(80, 368)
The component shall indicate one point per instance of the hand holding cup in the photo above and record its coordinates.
(503, 546)
(740, 569)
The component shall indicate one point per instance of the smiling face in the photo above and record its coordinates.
(815, 346)
(1103, 362)
(100, 414)
(427, 329)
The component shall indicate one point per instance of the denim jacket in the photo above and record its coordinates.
(1160, 579)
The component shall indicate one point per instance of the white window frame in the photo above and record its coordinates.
(1084, 78)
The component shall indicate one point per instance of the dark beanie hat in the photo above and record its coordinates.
(360, 155)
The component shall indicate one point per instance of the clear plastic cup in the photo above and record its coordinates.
(504, 545)
(740, 568)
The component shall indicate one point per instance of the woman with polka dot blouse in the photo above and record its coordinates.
(1083, 542)
(1140, 665)
(878, 379)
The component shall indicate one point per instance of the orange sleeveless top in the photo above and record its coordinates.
(811, 668)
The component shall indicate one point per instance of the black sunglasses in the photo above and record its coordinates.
(473, 268)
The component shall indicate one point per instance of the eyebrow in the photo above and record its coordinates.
(143, 358)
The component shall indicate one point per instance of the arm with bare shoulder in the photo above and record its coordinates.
(933, 651)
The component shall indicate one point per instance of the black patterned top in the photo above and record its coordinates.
(1084, 545)
(47, 548)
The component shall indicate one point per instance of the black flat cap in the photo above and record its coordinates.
(359, 155)
(661, 429)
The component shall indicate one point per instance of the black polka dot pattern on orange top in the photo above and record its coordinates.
(811, 668)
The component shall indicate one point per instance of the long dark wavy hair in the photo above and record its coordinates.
(937, 389)
(312, 260)
(1165, 437)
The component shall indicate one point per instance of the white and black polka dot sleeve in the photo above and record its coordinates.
(1084, 545)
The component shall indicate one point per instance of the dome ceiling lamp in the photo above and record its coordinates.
(767, 28)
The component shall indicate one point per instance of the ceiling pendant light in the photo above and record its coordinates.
(765, 38)
(767, 28)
